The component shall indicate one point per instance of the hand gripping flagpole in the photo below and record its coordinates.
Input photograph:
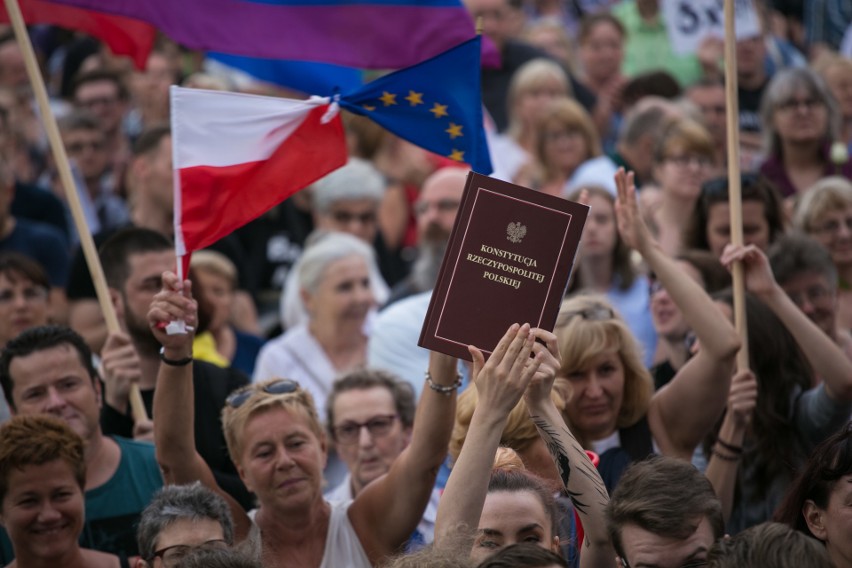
(60, 157)
(734, 185)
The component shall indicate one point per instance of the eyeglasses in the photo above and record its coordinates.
(346, 217)
(834, 225)
(794, 104)
(32, 294)
(349, 432)
(442, 205)
(171, 555)
(594, 313)
(690, 160)
(282, 386)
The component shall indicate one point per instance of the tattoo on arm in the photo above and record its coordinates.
(563, 464)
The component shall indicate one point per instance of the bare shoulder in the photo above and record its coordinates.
(97, 559)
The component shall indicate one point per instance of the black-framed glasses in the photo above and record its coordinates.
(281, 386)
(593, 313)
(348, 432)
(171, 555)
(794, 104)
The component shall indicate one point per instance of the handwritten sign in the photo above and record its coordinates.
(690, 21)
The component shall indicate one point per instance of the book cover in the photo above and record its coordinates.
(508, 261)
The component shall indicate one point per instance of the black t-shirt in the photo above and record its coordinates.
(37, 204)
(211, 385)
(749, 101)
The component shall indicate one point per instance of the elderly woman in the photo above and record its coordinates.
(279, 447)
(611, 407)
(42, 474)
(349, 200)
(334, 281)
(800, 121)
(825, 213)
(565, 138)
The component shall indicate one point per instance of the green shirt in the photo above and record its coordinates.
(648, 48)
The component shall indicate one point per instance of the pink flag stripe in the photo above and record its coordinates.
(217, 200)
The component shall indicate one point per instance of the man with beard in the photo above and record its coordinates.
(133, 260)
(393, 343)
(435, 211)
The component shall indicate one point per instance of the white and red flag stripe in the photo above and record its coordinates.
(236, 156)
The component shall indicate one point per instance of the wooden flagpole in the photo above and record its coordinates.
(61, 159)
(734, 180)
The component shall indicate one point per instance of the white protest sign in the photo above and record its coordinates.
(689, 21)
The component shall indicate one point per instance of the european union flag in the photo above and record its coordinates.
(435, 104)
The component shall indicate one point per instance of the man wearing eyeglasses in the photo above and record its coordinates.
(369, 415)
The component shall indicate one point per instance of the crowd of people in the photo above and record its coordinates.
(298, 424)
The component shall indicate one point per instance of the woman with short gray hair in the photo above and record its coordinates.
(334, 277)
(801, 123)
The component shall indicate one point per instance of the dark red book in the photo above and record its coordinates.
(508, 261)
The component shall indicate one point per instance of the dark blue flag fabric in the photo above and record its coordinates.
(435, 104)
(323, 79)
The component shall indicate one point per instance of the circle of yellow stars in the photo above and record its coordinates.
(439, 111)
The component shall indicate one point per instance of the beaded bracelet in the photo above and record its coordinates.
(443, 389)
(725, 457)
(730, 447)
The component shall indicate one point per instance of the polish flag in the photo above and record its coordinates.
(236, 156)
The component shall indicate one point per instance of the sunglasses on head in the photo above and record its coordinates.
(281, 386)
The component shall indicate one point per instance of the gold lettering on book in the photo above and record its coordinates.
(502, 279)
(519, 266)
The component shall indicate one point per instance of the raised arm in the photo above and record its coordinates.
(174, 430)
(580, 477)
(387, 511)
(728, 449)
(827, 359)
(499, 383)
(686, 409)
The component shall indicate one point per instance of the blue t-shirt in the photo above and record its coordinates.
(113, 509)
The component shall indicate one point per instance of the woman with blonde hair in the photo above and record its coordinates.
(275, 439)
(825, 213)
(533, 86)
(565, 137)
(836, 71)
(611, 404)
(494, 503)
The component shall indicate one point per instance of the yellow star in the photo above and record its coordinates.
(455, 130)
(370, 108)
(388, 98)
(414, 98)
(439, 110)
(457, 155)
